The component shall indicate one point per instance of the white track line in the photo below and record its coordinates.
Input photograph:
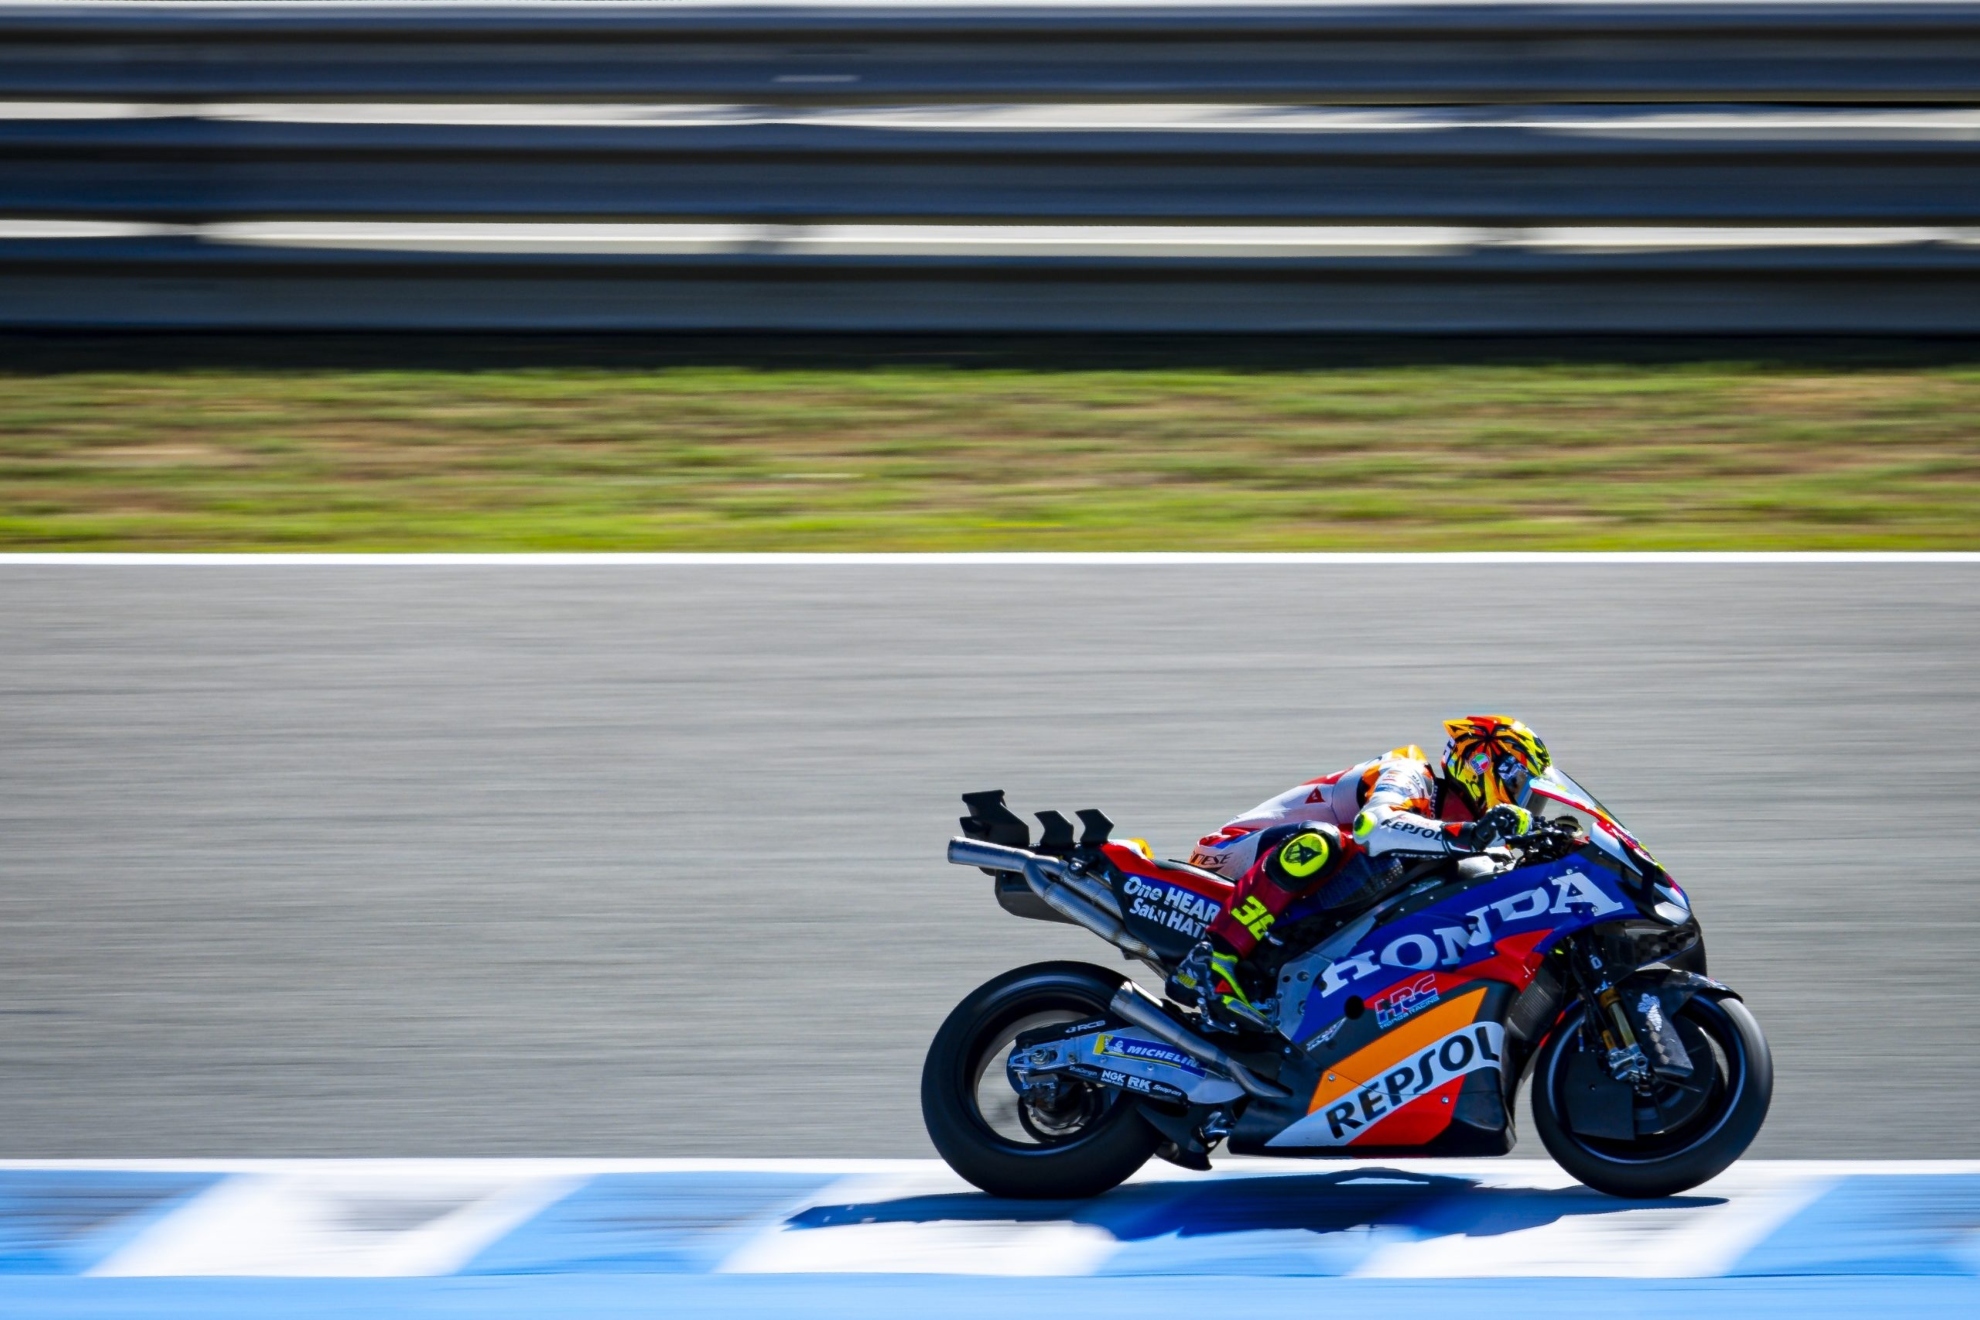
(966, 559)
(593, 7)
(1507, 1172)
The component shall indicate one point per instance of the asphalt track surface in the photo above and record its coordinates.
(646, 860)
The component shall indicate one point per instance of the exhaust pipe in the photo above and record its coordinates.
(990, 856)
(1134, 1004)
(1077, 899)
(1087, 904)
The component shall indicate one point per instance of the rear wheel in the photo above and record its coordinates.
(1686, 1132)
(1078, 1142)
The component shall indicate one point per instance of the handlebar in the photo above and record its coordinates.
(1553, 838)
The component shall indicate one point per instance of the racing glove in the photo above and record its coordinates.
(1495, 826)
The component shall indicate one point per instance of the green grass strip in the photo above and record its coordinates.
(1405, 456)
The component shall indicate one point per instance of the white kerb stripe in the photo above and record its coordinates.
(331, 1222)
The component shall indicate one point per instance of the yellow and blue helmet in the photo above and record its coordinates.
(1493, 759)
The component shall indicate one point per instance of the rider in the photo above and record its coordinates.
(1291, 846)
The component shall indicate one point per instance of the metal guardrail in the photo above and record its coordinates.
(1106, 164)
(1389, 51)
(1435, 167)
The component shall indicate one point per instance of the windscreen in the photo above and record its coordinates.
(1554, 786)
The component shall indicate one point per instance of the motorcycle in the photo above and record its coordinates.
(1401, 1025)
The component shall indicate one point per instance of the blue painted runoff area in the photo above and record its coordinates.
(1872, 1224)
(870, 1297)
(70, 1221)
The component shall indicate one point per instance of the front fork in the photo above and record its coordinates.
(1624, 1053)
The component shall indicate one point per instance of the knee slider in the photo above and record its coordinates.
(1305, 858)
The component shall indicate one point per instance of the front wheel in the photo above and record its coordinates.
(1685, 1132)
(1083, 1141)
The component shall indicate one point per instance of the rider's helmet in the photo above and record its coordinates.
(1493, 759)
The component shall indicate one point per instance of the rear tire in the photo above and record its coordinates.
(1704, 1145)
(964, 1076)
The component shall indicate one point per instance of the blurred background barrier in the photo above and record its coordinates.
(1660, 167)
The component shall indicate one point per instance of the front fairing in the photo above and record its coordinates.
(1412, 1006)
(1497, 928)
(1553, 793)
(1445, 962)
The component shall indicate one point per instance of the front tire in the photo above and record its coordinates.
(1726, 1043)
(1092, 1141)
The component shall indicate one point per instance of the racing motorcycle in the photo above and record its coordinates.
(1401, 1025)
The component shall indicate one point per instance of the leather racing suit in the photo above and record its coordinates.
(1370, 817)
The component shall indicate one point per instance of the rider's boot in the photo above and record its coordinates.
(1207, 979)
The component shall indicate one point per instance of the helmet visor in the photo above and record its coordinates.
(1509, 782)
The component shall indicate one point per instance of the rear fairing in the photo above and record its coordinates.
(1165, 906)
